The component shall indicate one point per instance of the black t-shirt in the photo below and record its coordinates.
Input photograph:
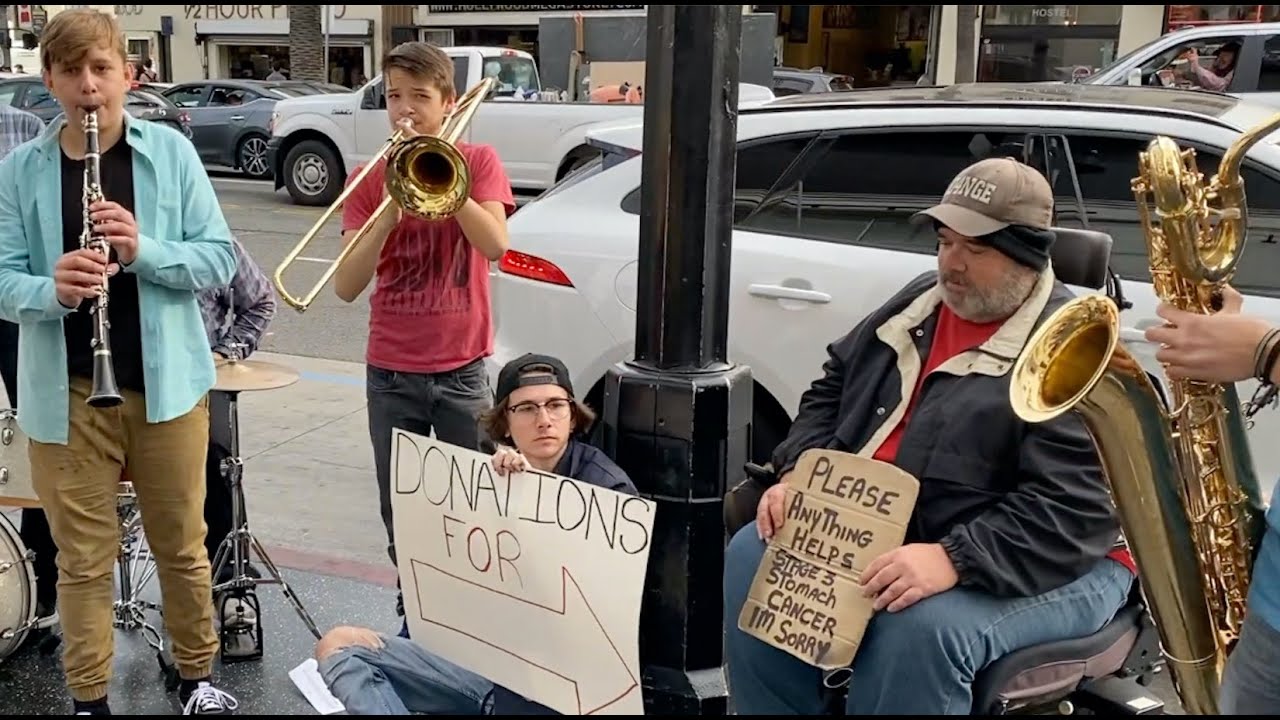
(125, 331)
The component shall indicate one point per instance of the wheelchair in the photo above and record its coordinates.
(1105, 673)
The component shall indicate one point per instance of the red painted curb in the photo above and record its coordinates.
(384, 575)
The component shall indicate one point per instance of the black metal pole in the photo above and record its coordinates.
(677, 418)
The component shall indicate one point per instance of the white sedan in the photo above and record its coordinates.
(825, 186)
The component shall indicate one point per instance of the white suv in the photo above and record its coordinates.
(825, 186)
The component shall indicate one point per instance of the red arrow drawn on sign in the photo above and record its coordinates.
(549, 643)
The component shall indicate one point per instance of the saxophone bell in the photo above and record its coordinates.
(1180, 471)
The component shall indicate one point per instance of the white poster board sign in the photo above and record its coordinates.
(532, 580)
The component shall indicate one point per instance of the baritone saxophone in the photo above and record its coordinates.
(1179, 471)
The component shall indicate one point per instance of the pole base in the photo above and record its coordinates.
(683, 437)
(676, 692)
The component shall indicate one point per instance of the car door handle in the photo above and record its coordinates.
(782, 292)
(236, 118)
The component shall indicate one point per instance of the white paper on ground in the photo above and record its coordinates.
(307, 677)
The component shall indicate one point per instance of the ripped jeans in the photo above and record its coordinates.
(403, 678)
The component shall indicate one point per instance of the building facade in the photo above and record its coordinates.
(193, 42)
(885, 44)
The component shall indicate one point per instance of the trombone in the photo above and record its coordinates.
(427, 176)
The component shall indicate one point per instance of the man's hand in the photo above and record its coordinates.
(507, 460)
(78, 276)
(906, 575)
(1217, 348)
(770, 511)
(119, 227)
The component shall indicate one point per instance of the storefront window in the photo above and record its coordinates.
(1039, 59)
(1180, 16)
(1051, 15)
(1035, 43)
(255, 62)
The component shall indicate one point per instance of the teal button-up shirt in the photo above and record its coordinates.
(184, 245)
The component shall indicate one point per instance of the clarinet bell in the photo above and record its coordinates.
(105, 393)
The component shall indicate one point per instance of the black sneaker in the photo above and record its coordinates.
(209, 700)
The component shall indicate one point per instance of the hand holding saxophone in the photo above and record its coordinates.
(1220, 348)
(118, 226)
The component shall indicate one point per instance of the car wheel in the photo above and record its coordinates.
(251, 157)
(312, 173)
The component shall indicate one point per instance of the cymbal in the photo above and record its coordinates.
(249, 375)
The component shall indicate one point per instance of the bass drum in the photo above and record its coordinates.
(17, 590)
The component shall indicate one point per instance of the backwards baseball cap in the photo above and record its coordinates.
(992, 194)
(543, 369)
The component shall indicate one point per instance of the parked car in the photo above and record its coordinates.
(825, 186)
(794, 81)
(1257, 72)
(231, 119)
(29, 93)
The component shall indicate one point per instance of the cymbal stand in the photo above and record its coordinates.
(235, 548)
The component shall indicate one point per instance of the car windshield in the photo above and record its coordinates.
(512, 72)
(1117, 62)
(142, 97)
(291, 91)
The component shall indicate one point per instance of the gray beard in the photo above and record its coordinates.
(989, 305)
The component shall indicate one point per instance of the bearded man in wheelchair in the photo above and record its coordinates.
(1014, 540)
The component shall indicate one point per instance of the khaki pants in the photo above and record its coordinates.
(78, 483)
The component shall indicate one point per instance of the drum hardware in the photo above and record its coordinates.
(241, 627)
(16, 489)
(130, 609)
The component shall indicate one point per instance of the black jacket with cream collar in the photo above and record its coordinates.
(1020, 508)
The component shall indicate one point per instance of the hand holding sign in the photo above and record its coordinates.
(840, 512)
(530, 579)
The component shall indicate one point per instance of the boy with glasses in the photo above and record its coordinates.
(534, 422)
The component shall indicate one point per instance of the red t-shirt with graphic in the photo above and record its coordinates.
(429, 311)
(953, 336)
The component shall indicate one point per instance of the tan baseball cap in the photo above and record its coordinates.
(991, 195)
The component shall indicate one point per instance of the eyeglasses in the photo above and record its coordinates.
(557, 409)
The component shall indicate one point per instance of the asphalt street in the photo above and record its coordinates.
(269, 225)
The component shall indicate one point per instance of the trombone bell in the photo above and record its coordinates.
(426, 177)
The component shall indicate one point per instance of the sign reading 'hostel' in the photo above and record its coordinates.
(841, 512)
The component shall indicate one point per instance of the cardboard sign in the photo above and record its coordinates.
(531, 580)
(841, 512)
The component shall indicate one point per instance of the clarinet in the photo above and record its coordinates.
(105, 394)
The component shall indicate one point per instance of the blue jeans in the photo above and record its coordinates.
(920, 661)
(403, 678)
(1251, 681)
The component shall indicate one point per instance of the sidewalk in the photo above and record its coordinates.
(308, 471)
(32, 683)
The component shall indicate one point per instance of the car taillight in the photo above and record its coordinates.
(533, 268)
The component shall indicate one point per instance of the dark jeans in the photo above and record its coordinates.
(449, 403)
